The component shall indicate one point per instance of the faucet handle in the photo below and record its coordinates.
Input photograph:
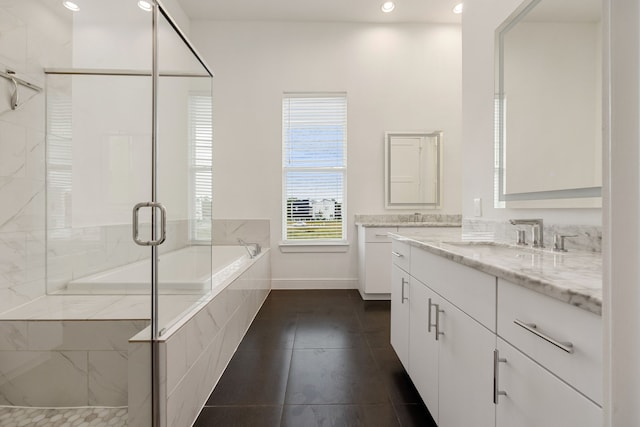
(558, 241)
(521, 237)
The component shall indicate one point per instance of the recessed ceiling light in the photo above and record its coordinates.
(71, 6)
(145, 5)
(388, 6)
(457, 8)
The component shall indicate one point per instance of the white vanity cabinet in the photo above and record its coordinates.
(374, 268)
(551, 349)
(450, 352)
(535, 397)
(400, 299)
(400, 294)
(493, 336)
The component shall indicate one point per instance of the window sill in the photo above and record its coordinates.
(313, 247)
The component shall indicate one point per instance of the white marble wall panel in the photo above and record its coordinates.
(29, 378)
(82, 335)
(107, 374)
(228, 231)
(588, 238)
(13, 150)
(96, 352)
(33, 38)
(13, 44)
(13, 335)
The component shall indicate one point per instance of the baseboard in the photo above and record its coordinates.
(314, 283)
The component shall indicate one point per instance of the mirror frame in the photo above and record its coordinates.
(584, 197)
(387, 171)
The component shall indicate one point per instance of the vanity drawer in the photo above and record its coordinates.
(378, 234)
(401, 255)
(472, 291)
(556, 324)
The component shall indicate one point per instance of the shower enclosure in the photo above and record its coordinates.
(128, 123)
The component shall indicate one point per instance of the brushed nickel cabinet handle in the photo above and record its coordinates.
(531, 327)
(496, 373)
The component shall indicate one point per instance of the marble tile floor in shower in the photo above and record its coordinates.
(316, 358)
(11, 416)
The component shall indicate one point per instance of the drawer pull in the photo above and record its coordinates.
(397, 254)
(531, 327)
(382, 235)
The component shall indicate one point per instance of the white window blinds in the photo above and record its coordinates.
(59, 163)
(200, 141)
(314, 130)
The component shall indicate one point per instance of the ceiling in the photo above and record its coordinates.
(435, 11)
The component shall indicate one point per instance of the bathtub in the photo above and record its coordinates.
(181, 271)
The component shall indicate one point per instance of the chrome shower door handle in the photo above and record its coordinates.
(163, 223)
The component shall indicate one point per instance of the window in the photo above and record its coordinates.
(59, 164)
(200, 143)
(314, 138)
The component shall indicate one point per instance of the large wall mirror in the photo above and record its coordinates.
(413, 170)
(549, 105)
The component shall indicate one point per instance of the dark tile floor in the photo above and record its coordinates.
(316, 358)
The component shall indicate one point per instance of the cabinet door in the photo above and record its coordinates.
(400, 293)
(537, 398)
(378, 268)
(423, 347)
(466, 370)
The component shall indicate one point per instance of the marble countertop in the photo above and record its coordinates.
(573, 277)
(409, 224)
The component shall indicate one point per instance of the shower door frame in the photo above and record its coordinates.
(158, 11)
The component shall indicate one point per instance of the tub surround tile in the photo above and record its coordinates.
(228, 231)
(573, 277)
(175, 349)
(139, 384)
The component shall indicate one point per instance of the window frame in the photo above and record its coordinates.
(314, 244)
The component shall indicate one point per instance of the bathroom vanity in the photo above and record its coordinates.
(498, 335)
(374, 247)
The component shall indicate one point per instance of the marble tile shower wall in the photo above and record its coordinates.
(33, 38)
(84, 363)
(588, 238)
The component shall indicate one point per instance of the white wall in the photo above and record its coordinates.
(479, 21)
(397, 77)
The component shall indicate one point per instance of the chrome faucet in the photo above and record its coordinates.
(252, 252)
(537, 230)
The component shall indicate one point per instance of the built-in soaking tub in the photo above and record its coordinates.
(195, 269)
